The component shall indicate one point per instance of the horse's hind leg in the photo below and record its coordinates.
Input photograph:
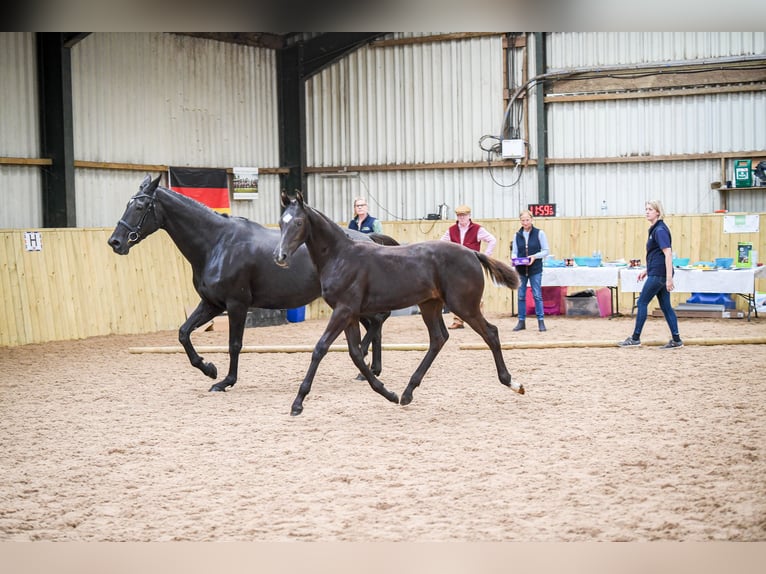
(437, 335)
(377, 342)
(237, 316)
(373, 325)
(201, 315)
(355, 351)
(490, 335)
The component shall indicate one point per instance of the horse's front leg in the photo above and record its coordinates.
(237, 317)
(201, 315)
(353, 337)
(336, 324)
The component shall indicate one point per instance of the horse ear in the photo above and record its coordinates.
(154, 184)
(147, 181)
(299, 197)
(285, 199)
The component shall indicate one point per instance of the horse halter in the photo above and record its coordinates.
(135, 232)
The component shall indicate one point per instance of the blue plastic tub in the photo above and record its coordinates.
(296, 315)
(713, 299)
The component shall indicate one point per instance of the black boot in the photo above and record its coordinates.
(520, 326)
(541, 325)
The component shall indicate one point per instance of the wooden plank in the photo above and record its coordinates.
(9, 307)
(662, 79)
(25, 161)
(431, 39)
(647, 94)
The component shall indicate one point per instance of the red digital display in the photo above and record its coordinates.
(542, 209)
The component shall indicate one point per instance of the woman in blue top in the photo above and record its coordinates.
(363, 221)
(659, 278)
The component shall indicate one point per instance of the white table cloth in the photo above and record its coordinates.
(700, 281)
(740, 281)
(580, 276)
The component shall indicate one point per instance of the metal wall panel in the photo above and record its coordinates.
(408, 104)
(411, 195)
(650, 127)
(576, 49)
(20, 186)
(155, 98)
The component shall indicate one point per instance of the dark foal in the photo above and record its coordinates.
(232, 265)
(362, 278)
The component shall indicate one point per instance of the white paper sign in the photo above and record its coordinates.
(741, 223)
(33, 241)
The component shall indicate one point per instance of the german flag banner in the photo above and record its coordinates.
(209, 186)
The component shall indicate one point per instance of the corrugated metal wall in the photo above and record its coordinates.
(430, 103)
(659, 126)
(410, 104)
(155, 98)
(141, 98)
(20, 186)
(576, 49)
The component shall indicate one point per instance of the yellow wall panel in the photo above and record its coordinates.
(76, 287)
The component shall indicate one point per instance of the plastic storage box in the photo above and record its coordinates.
(582, 306)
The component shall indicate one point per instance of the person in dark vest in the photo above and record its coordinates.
(362, 220)
(659, 278)
(530, 242)
(471, 235)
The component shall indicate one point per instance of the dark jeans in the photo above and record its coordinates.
(536, 282)
(654, 286)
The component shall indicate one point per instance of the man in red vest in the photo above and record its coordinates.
(469, 234)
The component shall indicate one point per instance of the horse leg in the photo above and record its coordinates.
(367, 322)
(489, 333)
(237, 317)
(373, 336)
(336, 324)
(201, 315)
(355, 351)
(431, 311)
(376, 338)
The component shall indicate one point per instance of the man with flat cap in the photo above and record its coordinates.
(471, 235)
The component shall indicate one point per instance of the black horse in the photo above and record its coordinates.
(233, 268)
(360, 278)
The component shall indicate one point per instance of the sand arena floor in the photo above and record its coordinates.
(608, 444)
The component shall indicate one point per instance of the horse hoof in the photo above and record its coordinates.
(217, 389)
(360, 377)
(519, 389)
(211, 371)
(394, 398)
(405, 400)
(296, 411)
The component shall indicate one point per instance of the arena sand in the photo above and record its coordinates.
(608, 444)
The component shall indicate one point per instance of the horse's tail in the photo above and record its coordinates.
(501, 273)
(383, 239)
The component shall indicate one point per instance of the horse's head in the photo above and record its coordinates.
(293, 227)
(139, 219)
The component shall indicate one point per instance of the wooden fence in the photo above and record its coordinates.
(77, 287)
